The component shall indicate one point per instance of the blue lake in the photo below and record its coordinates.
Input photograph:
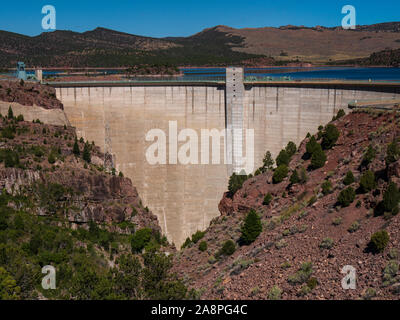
(341, 73)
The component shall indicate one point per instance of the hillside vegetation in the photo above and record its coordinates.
(330, 202)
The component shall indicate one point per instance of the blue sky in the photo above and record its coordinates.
(161, 18)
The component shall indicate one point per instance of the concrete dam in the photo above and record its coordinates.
(185, 197)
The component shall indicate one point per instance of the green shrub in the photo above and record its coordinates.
(329, 136)
(20, 118)
(268, 163)
(252, 227)
(275, 293)
(367, 182)
(326, 243)
(203, 246)
(51, 158)
(349, 178)
(10, 113)
(140, 239)
(340, 114)
(311, 146)
(8, 132)
(379, 241)
(346, 197)
(186, 243)
(354, 227)
(228, 248)
(291, 148)
(337, 221)
(235, 183)
(197, 236)
(312, 283)
(369, 294)
(326, 187)
(280, 173)
(267, 199)
(390, 273)
(294, 178)
(75, 149)
(86, 153)
(318, 158)
(302, 275)
(10, 158)
(282, 158)
(391, 198)
(392, 153)
(369, 156)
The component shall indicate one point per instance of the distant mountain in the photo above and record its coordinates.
(220, 45)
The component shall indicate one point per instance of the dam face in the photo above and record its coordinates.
(185, 197)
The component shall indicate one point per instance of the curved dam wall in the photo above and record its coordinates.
(185, 197)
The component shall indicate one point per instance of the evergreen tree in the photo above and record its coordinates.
(282, 158)
(10, 113)
(86, 152)
(346, 197)
(391, 198)
(280, 173)
(291, 148)
(329, 136)
(252, 228)
(235, 183)
(367, 181)
(392, 153)
(349, 178)
(311, 146)
(294, 178)
(268, 162)
(369, 156)
(75, 149)
(318, 158)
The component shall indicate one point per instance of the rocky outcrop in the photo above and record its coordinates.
(29, 94)
(38, 162)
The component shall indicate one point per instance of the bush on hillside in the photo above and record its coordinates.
(379, 241)
(140, 239)
(318, 158)
(252, 227)
(311, 146)
(326, 187)
(391, 198)
(367, 182)
(329, 136)
(267, 199)
(291, 148)
(268, 163)
(346, 197)
(235, 183)
(392, 153)
(294, 178)
(228, 248)
(349, 178)
(280, 173)
(369, 156)
(282, 158)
